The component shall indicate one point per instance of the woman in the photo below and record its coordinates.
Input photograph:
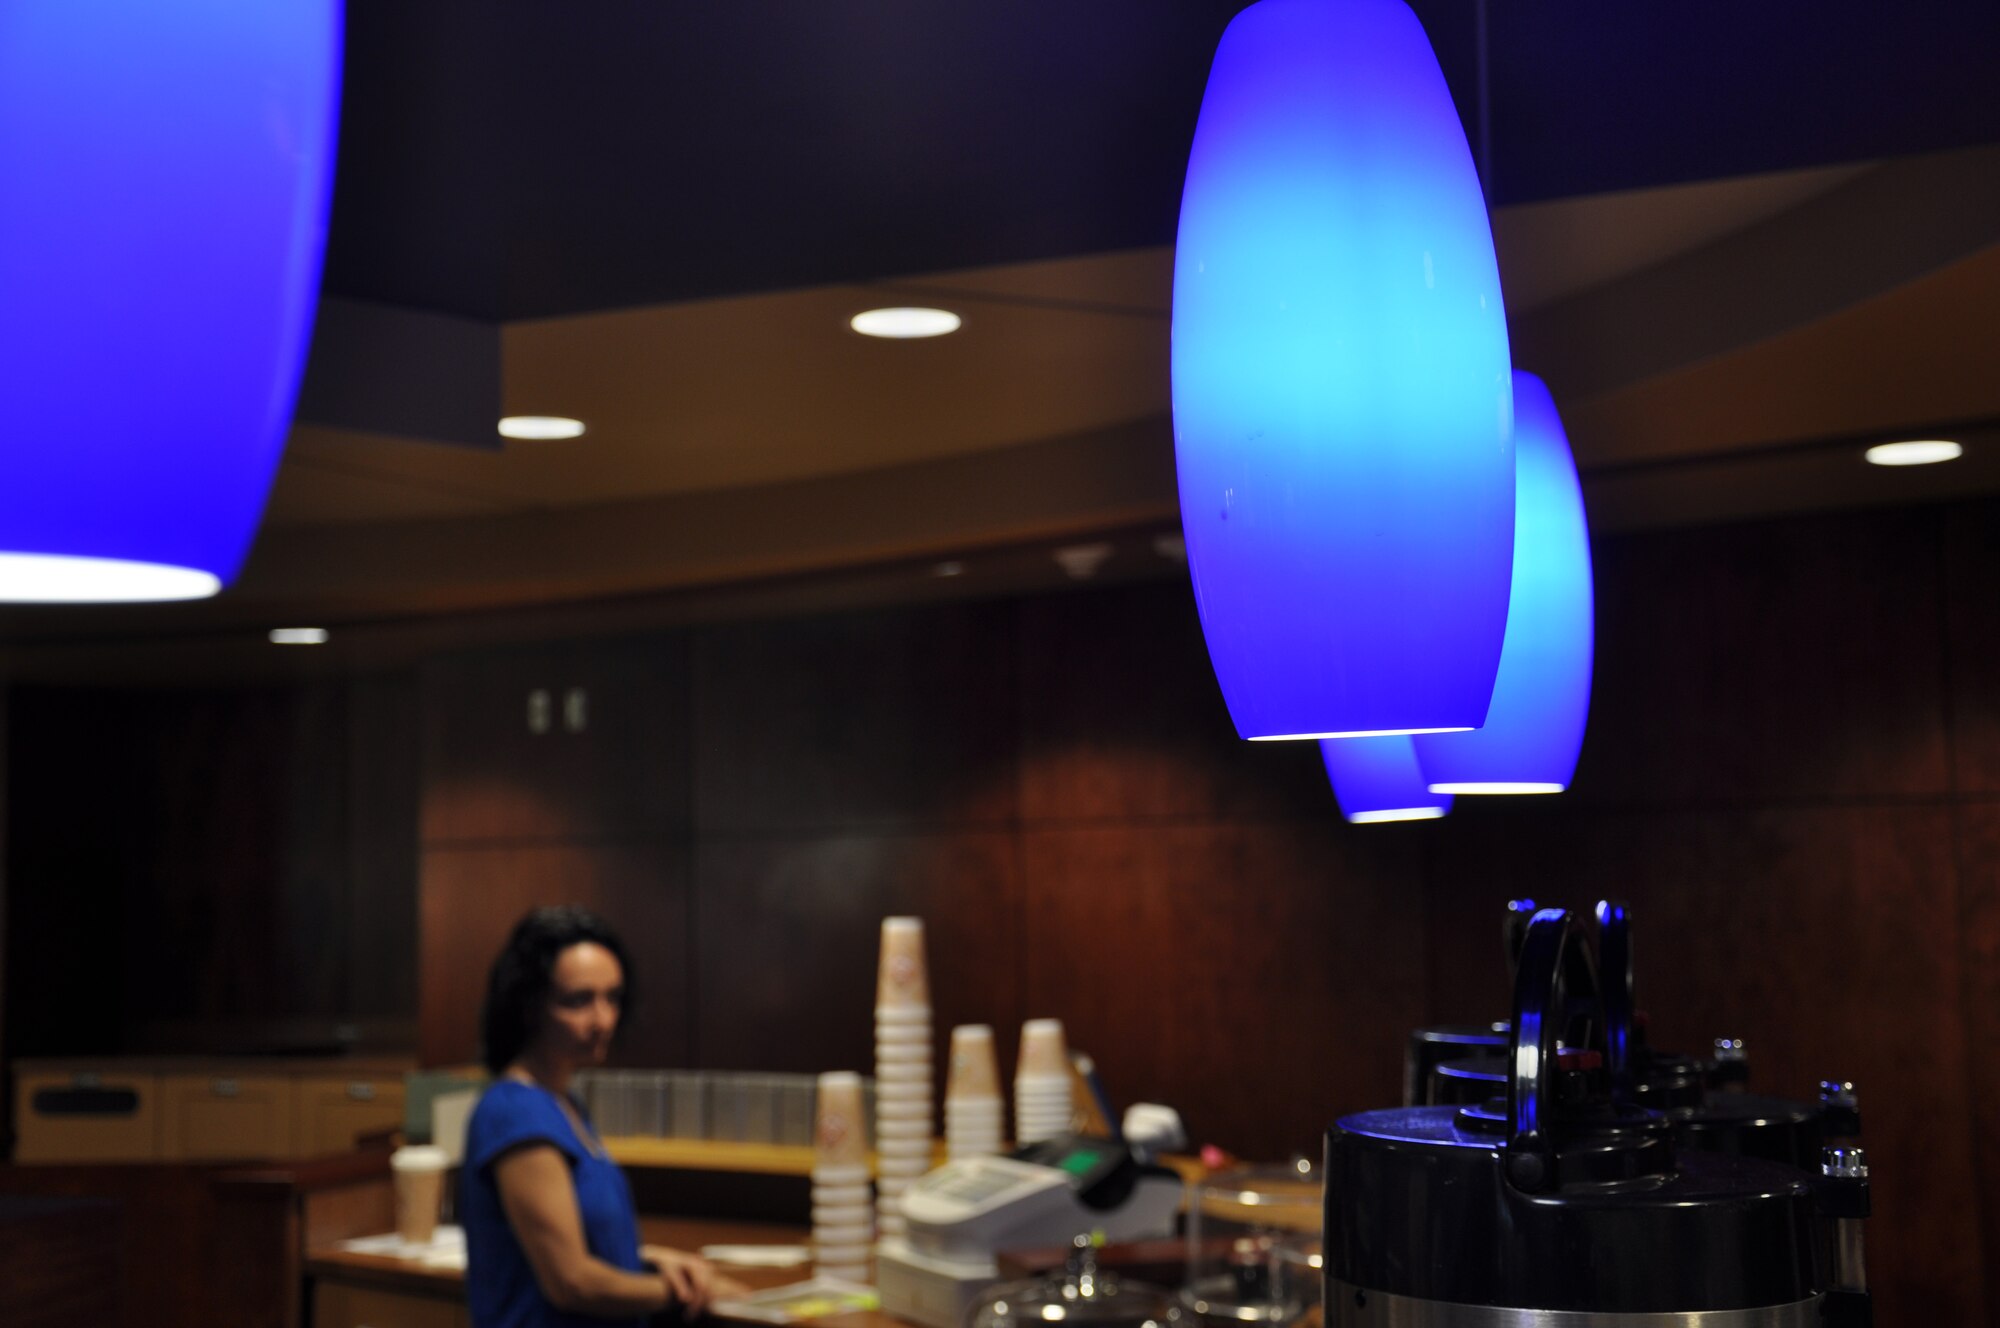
(550, 1231)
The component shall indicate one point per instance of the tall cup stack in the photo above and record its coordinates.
(974, 1113)
(842, 1214)
(903, 1119)
(1042, 1091)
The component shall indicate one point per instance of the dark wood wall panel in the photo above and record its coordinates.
(788, 935)
(1778, 659)
(487, 776)
(1972, 586)
(1979, 944)
(384, 787)
(1121, 719)
(1260, 978)
(868, 720)
(472, 897)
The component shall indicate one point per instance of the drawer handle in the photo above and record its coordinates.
(225, 1088)
(361, 1092)
(85, 1101)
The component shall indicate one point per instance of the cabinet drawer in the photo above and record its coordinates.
(338, 1305)
(87, 1116)
(225, 1116)
(334, 1111)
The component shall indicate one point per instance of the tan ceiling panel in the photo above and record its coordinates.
(1921, 353)
(1549, 251)
(756, 390)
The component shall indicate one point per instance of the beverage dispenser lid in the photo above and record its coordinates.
(1565, 1202)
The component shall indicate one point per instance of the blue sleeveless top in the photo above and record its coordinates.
(500, 1284)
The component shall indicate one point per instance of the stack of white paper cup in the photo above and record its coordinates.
(974, 1113)
(1042, 1103)
(843, 1216)
(903, 1121)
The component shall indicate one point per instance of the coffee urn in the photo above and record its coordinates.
(1560, 1205)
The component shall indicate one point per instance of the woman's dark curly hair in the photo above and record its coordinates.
(518, 987)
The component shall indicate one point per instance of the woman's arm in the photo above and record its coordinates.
(539, 1197)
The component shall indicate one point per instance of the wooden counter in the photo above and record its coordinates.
(350, 1289)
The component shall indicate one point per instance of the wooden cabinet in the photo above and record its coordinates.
(180, 1109)
(333, 1112)
(344, 1305)
(225, 1117)
(583, 739)
(86, 1115)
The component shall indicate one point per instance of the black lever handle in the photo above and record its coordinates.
(1614, 968)
(1540, 1011)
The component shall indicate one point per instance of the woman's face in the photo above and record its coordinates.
(586, 994)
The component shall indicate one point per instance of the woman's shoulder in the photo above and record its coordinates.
(510, 1113)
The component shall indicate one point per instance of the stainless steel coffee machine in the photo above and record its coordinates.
(1559, 1204)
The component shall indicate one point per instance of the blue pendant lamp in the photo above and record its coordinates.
(1342, 416)
(1533, 733)
(1378, 779)
(165, 170)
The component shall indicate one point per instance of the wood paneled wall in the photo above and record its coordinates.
(221, 866)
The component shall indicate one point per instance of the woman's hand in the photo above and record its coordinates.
(691, 1279)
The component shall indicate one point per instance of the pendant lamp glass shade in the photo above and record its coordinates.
(1378, 779)
(165, 171)
(1342, 407)
(1535, 729)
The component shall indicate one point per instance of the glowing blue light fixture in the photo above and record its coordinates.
(1342, 409)
(1378, 779)
(164, 178)
(1535, 728)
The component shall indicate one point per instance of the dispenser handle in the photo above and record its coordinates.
(1614, 968)
(1541, 1007)
(1514, 932)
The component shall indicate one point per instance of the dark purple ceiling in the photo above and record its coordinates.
(523, 158)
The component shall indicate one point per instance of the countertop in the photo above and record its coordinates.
(681, 1233)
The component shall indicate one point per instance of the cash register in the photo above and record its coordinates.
(960, 1216)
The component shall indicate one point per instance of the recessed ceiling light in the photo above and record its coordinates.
(540, 427)
(904, 323)
(298, 636)
(950, 567)
(1917, 452)
(46, 578)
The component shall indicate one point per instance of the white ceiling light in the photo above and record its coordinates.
(905, 323)
(540, 427)
(48, 578)
(1917, 452)
(298, 636)
(950, 567)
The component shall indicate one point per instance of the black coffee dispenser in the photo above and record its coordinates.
(1560, 1200)
(1705, 1100)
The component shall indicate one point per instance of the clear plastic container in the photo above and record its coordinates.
(1253, 1246)
(1079, 1294)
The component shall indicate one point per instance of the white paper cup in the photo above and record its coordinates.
(842, 1196)
(856, 1174)
(1043, 1048)
(841, 1215)
(419, 1187)
(845, 1256)
(905, 1169)
(903, 1090)
(903, 1012)
(889, 1129)
(908, 1108)
(919, 1073)
(903, 1052)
